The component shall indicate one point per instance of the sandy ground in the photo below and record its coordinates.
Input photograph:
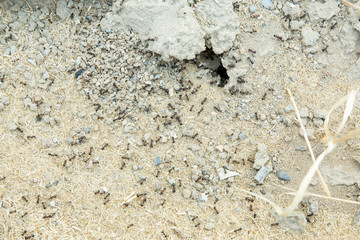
(51, 189)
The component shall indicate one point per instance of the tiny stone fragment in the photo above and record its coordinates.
(186, 193)
(261, 174)
(266, 3)
(310, 133)
(288, 108)
(309, 36)
(282, 175)
(224, 174)
(261, 157)
(157, 161)
(296, 221)
(78, 73)
(252, 9)
(12, 126)
(356, 220)
(209, 226)
(242, 136)
(314, 207)
(301, 148)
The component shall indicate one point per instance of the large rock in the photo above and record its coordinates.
(296, 221)
(170, 26)
(220, 22)
(322, 11)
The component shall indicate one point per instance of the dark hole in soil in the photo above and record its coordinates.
(224, 77)
(210, 60)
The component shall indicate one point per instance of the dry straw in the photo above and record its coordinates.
(331, 141)
(350, 4)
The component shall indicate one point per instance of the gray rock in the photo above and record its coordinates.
(186, 193)
(5, 100)
(291, 10)
(261, 174)
(62, 10)
(12, 126)
(304, 112)
(320, 113)
(13, 49)
(220, 23)
(242, 135)
(203, 197)
(314, 207)
(193, 147)
(157, 161)
(337, 176)
(296, 25)
(301, 148)
(324, 11)
(156, 20)
(261, 157)
(296, 221)
(252, 9)
(282, 175)
(288, 108)
(356, 220)
(266, 3)
(81, 114)
(309, 36)
(310, 133)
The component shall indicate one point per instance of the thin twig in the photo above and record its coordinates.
(325, 187)
(350, 4)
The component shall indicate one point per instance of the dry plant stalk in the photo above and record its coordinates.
(331, 141)
(350, 4)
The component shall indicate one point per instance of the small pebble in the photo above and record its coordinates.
(242, 136)
(267, 3)
(12, 126)
(81, 114)
(288, 108)
(301, 148)
(261, 174)
(78, 73)
(5, 100)
(86, 129)
(32, 61)
(314, 207)
(282, 175)
(252, 8)
(157, 161)
(203, 197)
(209, 226)
(356, 220)
(186, 193)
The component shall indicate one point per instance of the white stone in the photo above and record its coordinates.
(261, 156)
(224, 174)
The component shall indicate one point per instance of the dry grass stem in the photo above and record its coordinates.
(331, 143)
(325, 187)
(350, 4)
(293, 192)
